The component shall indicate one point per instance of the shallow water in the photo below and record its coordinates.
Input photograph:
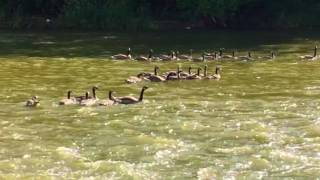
(261, 120)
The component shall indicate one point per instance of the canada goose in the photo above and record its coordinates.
(232, 56)
(169, 57)
(129, 99)
(138, 78)
(144, 58)
(195, 76)
(217, 75)
(126, 56)
(272, 56)
(311, 57)
(200, 59)
(155, 77)
(89, 101)
(173, 75)
(248, 57)
(185, 56)
(109, 101)
(33, 102)
(69, 100)
(186, 74)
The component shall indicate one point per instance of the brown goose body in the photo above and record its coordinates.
(69, 100)
(311, 57)
(130, 99)
(126, 56)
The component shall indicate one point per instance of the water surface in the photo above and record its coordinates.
(261, 120)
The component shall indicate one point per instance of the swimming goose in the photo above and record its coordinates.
(272, 56)
(185, 56)
(232, 56)
(33, 102)
(155, 77)
(123, 56)
(89, 101)
(69, 100)
(186, 74)
(135, 79)
(144, 58)
(168, 57)
(200, 59)
(248, 57)
(173, 75)
(108, 102)
(195, 76)
(311, 57)
(217, 75)
(130, 99)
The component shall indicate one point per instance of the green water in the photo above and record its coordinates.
(261, 120)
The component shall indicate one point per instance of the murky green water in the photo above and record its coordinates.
(261, 120)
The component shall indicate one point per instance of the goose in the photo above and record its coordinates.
(126, 56)
(246, 58)
(232, 56)
(185, 56)
(69, 100)
(272, 56)
(213, 56)
(200, 59)
(173, 75)
(136, 79)
(195, 76)
(129, 99)
(33, 102)
(108, 102)
(311, 57)
(89, 101)
(155, 77)
(144, 58)
(168, 57)
(186, 74)
(217, 75)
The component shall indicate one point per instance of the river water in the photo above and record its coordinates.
(261, 120)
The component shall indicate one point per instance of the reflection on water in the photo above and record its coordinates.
(260, 120)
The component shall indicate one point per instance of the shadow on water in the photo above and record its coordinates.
(100, 44)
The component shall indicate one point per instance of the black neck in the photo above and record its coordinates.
(205, 71)
(110, 96)
(128, 52)
(155, 71)
(217, 70)
(233, 53)
(198, 72)
(189, 70)
(315, 52)
(69, 94)
(94, 93)
(87, 95)
(220, 52)
(141, 94)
